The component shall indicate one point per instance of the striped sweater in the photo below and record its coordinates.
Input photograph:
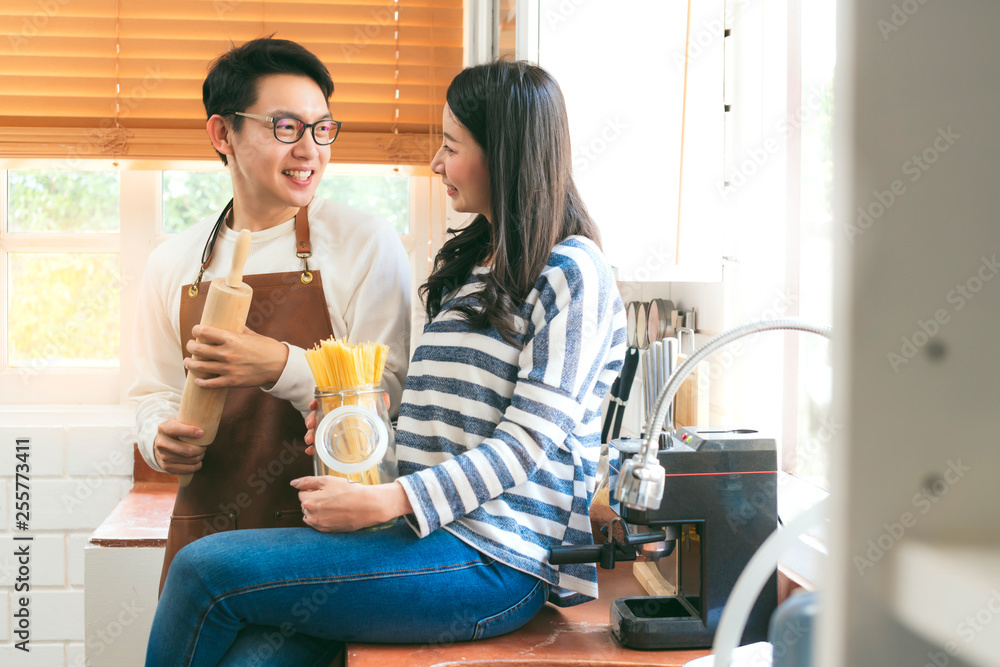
(499, 444)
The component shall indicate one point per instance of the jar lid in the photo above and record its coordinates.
(351, 439)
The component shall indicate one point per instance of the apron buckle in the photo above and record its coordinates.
(307, 275)
(193, 290)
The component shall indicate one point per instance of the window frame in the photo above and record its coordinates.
(764, 84)
(141, 230)
(808, 555)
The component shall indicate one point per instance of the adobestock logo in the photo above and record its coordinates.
(928, 329)
(967, 630)
(754, 160)
(32, 25)
(899, 16)
(596, 147)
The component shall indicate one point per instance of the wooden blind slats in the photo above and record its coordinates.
(57, 70)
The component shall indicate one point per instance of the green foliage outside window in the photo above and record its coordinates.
(189, 196)
(64, 310)
(63, 201)
(385, 196)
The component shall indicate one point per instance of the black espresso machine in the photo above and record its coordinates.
(719, 505)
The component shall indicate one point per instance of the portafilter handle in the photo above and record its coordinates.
(612, 550)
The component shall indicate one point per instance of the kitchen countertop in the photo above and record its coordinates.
(579, 635)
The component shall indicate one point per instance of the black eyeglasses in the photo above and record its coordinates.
(288, 130)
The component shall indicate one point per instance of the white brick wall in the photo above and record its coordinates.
(40, 655)
(81, 466)
(4, 509)
(74, 504)
(4, 614)
(75, 544)
(118, 620)
(98, 451)
(76, 655)
(58, 615)
(46, 454)
(48, 561)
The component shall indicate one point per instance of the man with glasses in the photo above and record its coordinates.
(318, 269)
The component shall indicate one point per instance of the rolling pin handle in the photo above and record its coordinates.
(240, 253)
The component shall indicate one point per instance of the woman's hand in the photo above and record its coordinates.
(236, 359)
(334, 505)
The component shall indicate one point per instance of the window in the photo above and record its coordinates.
(64, 302)
(816, 427)
(61, 286)
(811, 61)
(780, 221)
(779, 234)
(73, 244)
(188, 196)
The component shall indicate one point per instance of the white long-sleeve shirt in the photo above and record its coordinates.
(366, 283)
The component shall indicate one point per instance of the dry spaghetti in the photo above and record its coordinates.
(341, 367)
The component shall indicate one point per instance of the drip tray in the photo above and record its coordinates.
(658, 622)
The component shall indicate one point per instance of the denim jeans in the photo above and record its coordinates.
(291, 596)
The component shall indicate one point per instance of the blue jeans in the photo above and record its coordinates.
(291, 596)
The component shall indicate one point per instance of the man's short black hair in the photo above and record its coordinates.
(231, 84)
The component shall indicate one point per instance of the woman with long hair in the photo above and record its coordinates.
(498, 436)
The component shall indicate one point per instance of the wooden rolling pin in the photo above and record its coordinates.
(226, 307)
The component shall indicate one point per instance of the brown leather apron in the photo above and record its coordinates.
(259, 449)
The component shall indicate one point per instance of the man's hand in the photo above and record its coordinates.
(235, 359)
(311, 426)
(174, 456)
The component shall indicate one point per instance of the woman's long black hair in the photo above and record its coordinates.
(516, 113)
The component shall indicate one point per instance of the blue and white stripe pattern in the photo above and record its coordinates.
(499, 445)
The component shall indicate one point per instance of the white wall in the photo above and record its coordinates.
(626, 127)
(123, 588)
(746, 382)
(80, 467)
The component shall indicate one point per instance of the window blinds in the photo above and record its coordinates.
(122, 78)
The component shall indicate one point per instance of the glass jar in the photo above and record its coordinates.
(354, 437)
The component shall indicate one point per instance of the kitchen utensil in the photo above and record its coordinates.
(630, 314)
(613, 402)
(690, 320)
(657, 318)
(226, 307)
(668, 364)
(691, 402)
(647, 386)
(641, 332)
(676, 321)
(655, 378)
(627, 379)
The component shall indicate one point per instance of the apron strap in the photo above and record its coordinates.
(303, 248)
